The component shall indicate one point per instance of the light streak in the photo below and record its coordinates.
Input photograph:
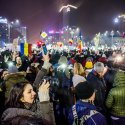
(68, 6)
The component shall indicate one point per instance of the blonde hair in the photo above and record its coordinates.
(78, 69)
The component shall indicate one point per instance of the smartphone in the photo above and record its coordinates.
(44, 49)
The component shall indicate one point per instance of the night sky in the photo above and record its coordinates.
(92, 16)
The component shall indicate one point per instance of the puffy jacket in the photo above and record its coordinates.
(116, 97)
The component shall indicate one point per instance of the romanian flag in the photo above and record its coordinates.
(80, 46)
(25, 48)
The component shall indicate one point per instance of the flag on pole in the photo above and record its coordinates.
(80, 46)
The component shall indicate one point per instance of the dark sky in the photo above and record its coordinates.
(91, 16)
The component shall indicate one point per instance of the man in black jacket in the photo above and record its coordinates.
(95, 78)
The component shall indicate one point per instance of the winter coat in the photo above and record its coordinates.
(41, 110)
(84, 108)
(116, 97)
(100, 88)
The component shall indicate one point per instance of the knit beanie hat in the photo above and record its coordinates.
(89, 65)
(84, 90)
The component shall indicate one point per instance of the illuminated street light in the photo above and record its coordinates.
(112, 34)
(120, 21)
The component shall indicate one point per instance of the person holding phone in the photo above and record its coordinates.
(43, 72)
(44, 49)
(22, 102)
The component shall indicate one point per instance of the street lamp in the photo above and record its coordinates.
(112, 34)
(120, 20)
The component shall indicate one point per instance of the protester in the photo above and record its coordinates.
(22, 102)
(31, 74)
(96, 80)
(84, 112)
(12, 77)
(79, 74)
(115, 101)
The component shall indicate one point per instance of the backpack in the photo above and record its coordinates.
(84, 118)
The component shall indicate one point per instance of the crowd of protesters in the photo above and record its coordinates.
(62, 88)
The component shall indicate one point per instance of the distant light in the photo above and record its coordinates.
(121, 16)
(12, 22)
(116, 20)
(3, 20)
(112, 33)
(61, 32)
(77, 30)
(51, 31)
(17, 21)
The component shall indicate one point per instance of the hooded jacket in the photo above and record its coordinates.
(84, 108)
(116, 97)
(13, 78)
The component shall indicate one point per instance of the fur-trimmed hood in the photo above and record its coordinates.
(14, 75)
